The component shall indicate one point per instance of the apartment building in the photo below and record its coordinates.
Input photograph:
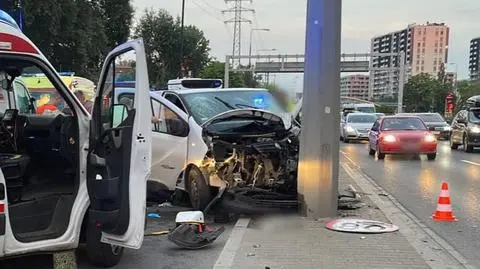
(355, 86)
(425, 48)
(474, 61)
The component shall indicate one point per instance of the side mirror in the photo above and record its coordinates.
(177, 127)
(119, 113)
(462, 120)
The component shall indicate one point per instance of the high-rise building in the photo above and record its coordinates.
(355, 86)
(474, 61)
(425, 48)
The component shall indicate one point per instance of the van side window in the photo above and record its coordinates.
(165, 116)
(175, 100)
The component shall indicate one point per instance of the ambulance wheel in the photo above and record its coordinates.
(98, 253)
(197, 188)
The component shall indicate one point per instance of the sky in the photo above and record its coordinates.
(361, 20)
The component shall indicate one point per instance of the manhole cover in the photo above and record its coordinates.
(360, 226)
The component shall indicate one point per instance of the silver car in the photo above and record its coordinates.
(356, 126)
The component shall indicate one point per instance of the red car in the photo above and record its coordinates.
(401, 135)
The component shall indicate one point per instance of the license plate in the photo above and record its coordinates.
(436, 132)
(410, 147)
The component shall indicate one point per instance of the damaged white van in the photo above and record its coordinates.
(68, 177)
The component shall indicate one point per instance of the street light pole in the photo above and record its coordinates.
(182, 40)
(250, 47)
(319, 143)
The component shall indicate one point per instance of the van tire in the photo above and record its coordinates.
(98, 253)
(197, 188)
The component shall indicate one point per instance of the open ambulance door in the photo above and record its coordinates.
(119, 156)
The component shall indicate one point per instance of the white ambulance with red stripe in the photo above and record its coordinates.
(67, 177)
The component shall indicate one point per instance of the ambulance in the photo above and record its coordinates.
(69, 177)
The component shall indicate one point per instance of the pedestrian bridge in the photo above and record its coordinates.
(298, 67)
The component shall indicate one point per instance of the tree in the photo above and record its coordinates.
(425, 93)
(216, 69)
(117, 17)
(76, 35)
(161, 34)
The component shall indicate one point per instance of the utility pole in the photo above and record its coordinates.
(319, 143)
(237, 21)
(182, 41)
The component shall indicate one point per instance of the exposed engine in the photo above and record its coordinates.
(268, 163)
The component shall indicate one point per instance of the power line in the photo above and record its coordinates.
(206, 11)
(206, 3)
(237, 21)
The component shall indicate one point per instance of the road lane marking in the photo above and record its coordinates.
(226, 257)
(469, 162)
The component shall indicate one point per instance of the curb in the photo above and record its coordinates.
(226, 257)
(436, 252)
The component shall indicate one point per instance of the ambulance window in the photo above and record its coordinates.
(23, 100)
(31, 81)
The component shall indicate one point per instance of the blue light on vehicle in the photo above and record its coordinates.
(5, 17)
(259, 101)
(217, 83)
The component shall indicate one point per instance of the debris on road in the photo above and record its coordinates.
(166, 204)
(191, 232)
(351, 200)
(157, 233)
(153, 215)
(360, 226)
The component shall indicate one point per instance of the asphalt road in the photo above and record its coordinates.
(416, 185)
(157, 252)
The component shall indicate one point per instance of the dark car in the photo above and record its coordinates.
(435, 122)
(466, 129)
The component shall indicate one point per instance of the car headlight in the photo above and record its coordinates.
(350, 129)
(447, 128)
(430, 138)
(389, 139)
(475, 129)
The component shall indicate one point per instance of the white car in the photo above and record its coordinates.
(68, 177)
(355, 126)
(208, 139)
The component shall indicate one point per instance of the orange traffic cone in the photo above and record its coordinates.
(444, 207)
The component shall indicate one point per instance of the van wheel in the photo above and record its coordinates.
(197, 188)
(98, 253)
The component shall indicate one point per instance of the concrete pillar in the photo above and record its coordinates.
(319, 141)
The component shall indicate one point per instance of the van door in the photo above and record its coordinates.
(170, 142)
(119, 156)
